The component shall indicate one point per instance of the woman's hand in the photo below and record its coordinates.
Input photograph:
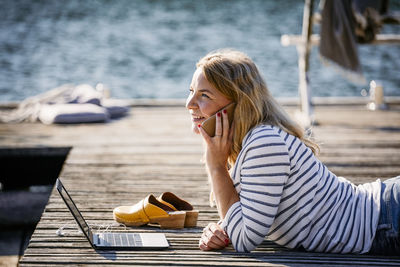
(213, 238)
(217, 152)
(219, 146)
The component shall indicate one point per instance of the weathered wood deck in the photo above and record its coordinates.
(153, 150)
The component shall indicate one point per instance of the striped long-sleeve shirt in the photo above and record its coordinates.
(287, 194)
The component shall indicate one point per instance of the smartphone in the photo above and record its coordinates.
(209, 124)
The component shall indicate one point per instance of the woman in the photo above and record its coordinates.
(276, 186)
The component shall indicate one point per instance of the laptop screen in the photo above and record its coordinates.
(74, 210)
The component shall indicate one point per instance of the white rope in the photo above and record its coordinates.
(76, 229)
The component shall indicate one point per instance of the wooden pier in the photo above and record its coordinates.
(153, 150)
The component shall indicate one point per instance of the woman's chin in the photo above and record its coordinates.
(195, 129)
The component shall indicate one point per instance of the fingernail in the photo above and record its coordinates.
(219, 114)
(225, 111)
(199, 125)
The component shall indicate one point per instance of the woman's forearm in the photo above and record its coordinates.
(224, 191)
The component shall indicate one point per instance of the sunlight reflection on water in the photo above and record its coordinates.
(148, 49)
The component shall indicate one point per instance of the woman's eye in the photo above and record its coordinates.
(204, 95)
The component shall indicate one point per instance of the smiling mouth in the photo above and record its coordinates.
(197, 118)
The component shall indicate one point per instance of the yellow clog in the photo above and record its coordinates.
(178, 204)
(150, 210)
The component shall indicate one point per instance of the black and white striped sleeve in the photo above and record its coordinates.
(264, 170)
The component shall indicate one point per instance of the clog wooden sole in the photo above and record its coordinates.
(191, 218)
(175, 220)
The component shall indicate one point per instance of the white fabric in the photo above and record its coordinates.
(72, 113)
(115, 107)
(85, 93)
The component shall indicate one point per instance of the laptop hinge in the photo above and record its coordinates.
(95, 240)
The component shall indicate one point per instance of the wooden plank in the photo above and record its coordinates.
(9, 261)
(123, 161)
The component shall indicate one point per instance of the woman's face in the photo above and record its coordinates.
(204, 100)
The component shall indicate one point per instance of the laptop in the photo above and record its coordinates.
(109, 240)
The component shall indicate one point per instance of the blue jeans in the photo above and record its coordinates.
(387, 238)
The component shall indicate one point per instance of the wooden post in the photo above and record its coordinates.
(304, 49)
(376, 96)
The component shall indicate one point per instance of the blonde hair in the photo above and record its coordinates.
(236, 76)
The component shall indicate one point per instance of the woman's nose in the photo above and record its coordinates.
(190, 102)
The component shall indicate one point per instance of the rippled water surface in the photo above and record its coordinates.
(148, 49)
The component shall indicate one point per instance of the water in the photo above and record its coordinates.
(148, 49)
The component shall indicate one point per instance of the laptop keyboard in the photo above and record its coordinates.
(120, 239)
